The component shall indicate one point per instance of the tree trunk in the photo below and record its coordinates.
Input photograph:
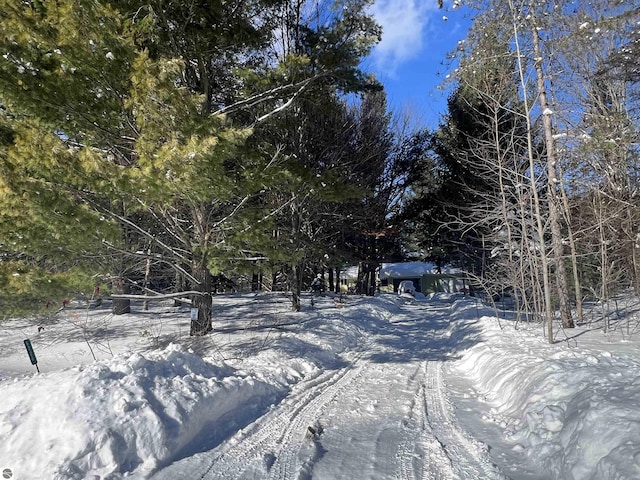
(120, 305)
(360, 282)
(371, 291)
(296, 287)
(147, 274)
(634, 245)
(636, 264)
(366, 283)
(337, 290)
(574, 255)
(179, 287)
(558, 260)
(201, 316)
(201, 304)
(598, 207)
(331, 284)
(552, 174)
(545, 299)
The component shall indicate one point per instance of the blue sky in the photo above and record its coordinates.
(415, 40)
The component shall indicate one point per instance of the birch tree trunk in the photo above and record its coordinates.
(540, 244)
(574, 255)
(553, 181)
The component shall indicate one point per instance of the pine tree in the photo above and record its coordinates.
(130, 120)
(60, 89)
(102, 129)
(324, 44)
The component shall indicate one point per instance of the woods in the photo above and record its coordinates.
(159, 147)
(525, 141)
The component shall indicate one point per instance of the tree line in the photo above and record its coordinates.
(166, 146)
(537, 159)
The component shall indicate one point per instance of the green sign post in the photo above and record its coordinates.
(31, 353)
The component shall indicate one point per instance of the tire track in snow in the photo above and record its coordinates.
(407, 454)
(421, 455)
(468, 458)
(287, 464)
(435, 446)
(267, 440)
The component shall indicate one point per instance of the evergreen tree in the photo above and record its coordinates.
(309, 137)
(102, 127)
(375, 168)
(63, 77)
(128, 119)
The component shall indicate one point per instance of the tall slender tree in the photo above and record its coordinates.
(327, 42)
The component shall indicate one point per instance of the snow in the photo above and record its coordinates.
(575, 409)
(351, 387)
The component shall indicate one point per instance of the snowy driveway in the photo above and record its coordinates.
(376, 379)
(383, 414)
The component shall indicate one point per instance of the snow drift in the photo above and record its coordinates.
(572, 411)
(123, 415)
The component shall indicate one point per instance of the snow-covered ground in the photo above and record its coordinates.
(387, 387)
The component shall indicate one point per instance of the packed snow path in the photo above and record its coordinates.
(383, 414)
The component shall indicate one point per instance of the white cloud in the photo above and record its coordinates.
(403, 25)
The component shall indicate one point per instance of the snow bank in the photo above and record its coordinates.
(128, 414)
(573, 412)
(133, 414)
